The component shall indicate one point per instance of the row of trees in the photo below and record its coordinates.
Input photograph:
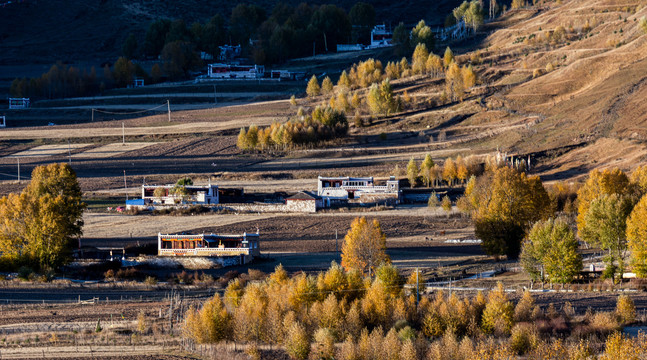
(267, 38)
(62, 81)
(507, 206)
(452, 170)
(41, 226)
(338, 314)
(324, 123)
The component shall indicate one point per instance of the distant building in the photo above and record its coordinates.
(19, 103)
(137, 82)
(348, 188)
(229, 52)
(381, 37)
(194, 194)
(246, 245)
(225, 71)
(304, 201)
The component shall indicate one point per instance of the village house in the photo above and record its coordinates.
(245, 246)
(349, 188)
(178, 194)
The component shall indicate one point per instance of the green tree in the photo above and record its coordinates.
(129, 48)
(364, 247)
(124, 71)
(184, 181)
(156, 37)
(552, 245)
(362, 18)
(422, 34)
(179, 58)
(606, 224)
(380, 99)
(313, 88)
(600, 182)
(244, 22)
(425, 169)
(401, 41)
(412, 172)
(636, 235)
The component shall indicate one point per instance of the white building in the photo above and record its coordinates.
(246, 245)
(192, 194)
(225, 71)
(347, 188)
(381, 37)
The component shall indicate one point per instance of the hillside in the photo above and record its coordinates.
(44, 32)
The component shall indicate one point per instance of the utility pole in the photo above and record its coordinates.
(69, 152)
(417, 290)
(125, 186)
(168, 104)
(92, 115)
(18, 170)
(123, 134)
(215, 99)
(335, 241)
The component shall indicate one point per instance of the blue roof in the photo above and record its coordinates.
(135, 202)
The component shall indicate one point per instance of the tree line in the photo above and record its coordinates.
(514, 215)
(285, 32)
(324, 123)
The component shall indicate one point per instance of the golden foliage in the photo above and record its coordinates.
(364, 246)
(313, 89)
(636, 235)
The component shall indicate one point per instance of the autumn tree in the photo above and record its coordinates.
(42, 224)
(313, 88)
(344, 81)
(605, 225)
(600, 182)
(498, 316)
(412, 172)
(381, 100)
(449, 171)
(211, 324)
(422, 34)
(643, 24)
(448, 57)
(454, 82)
(419, 59)
(636, 235)
(504, 203)
(551, 250)
(241, 141)
(297, 342)
(327, 86)
(446, 204)
(364, 246)
(425, 169)
(434, 65)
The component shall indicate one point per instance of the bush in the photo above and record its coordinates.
(524, 338)
(625, 309)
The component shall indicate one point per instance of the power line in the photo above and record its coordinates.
(132, 112)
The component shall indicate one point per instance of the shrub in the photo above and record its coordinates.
(524, 338)
(625, 309)
(297, 343)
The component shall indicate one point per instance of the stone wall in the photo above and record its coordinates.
(299, 206)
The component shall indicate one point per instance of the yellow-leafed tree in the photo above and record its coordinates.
(364, 246)
(313, 88)
(637, 237)
(605, 182)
